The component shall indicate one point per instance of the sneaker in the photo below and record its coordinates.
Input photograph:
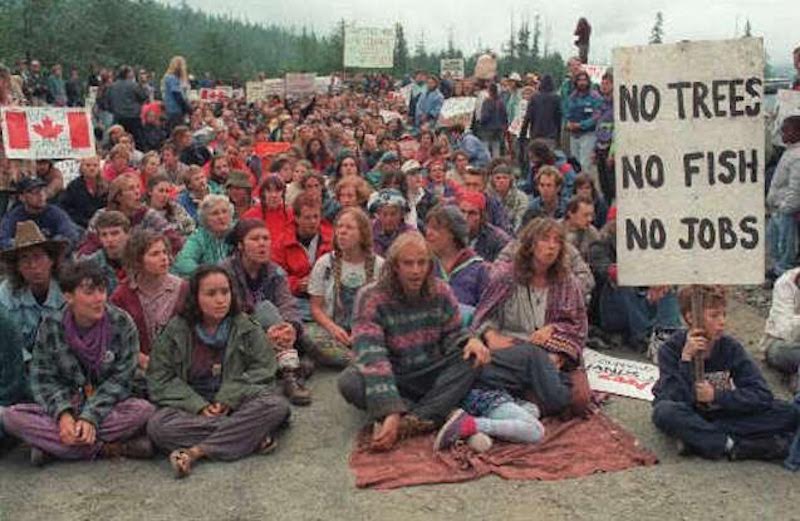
(768, 448)
(453, 429)
(295, 390)
(480, 442)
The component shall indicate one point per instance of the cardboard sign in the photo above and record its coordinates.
(255, 91)
(452, 67)
(300, 84)
(275, 87)
(620, 376)
(368, 47)
(515, 127)
(457, 110)
(486, 67)
(689, 137)
(322, 84)
(216, 95)
(47, 132)
(787, 104)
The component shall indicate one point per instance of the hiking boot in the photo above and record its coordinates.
(136, 448)
(480, 442)
(295, 390)
(307, 367)
(411, 426)
(766, 448)
(458, 425)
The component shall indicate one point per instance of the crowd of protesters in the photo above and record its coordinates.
(180, 290)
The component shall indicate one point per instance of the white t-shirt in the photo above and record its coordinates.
(354, 275)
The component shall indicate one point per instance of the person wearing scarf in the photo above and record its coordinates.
(211, 372)
(81, 375)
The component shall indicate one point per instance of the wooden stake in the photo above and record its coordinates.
(698, 362)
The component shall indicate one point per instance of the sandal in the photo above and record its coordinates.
(267, 445)
(181, 462)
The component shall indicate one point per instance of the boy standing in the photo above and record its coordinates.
(731, 411)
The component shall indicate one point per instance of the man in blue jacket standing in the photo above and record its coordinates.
(583, 112)
(429, 103)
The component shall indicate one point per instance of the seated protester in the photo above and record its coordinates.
(633, 312)
(153, 132)
(13, 378)
(419, 200)
(578, 225)
(549, 202)
(346, 166)
(148, 169)
(47, 172)
(411, 367)
(584, 187)
(309, 239)
(218, 170)
(336, 278)
(313, 185)
(731, 411)
(137, 155)
(30, 293)
(533, 318)
(495, 213)
(293, 189)
(470, 144)
(252, 160)
(196, 190)
(52, 221)
(191, 150)
(514, 200)
(211, 373)
(542, 155)
(389, 162)
(272, 208)
(780, 344)
(783, 202)
(283, 167)
(350, 192)
(265, 293)
(444, 189)
(389, 208)
(113, 229)
(485, 239)
(125, 195)
(459, 170)
(118, 163)
(456, 263)
(150, 294)
(171, 166)
(207, 244)
(86, 193)
(160, 192)
(81, 374)
(240, 192)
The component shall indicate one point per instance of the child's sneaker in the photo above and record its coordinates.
(480, 442)
(458, 425)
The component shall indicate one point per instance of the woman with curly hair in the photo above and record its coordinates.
(336, 278)
(318, 155)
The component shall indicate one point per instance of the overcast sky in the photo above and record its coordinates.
(614, 22)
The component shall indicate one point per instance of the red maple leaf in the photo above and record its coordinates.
(47, 129)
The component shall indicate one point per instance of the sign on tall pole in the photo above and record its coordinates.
(689, 135)
(368, 47)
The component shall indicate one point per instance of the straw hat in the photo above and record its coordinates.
(29, 235)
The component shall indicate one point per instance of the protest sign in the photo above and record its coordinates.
(689, 138)
(787, 104)
(91, 97)
(255, 91)
(453, 67)
(275, 87)
(595, 72)
(322, 84)
(368, 47)
(620, 376)
(515, 127)
(389, 115)
(194, 95)
(217, 94)
(300, 84)
(47, 132)
(457, 110)
(486, 67)
(270, 148)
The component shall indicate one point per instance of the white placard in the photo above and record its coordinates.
(275, 87)
(689, 137)
(453, 66)
(457, 110)
(515, 127)
(300, 84)
(620, 376)
(368, 47)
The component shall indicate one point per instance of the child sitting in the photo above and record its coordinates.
(731, 411)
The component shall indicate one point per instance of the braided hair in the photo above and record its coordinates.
(365, 242)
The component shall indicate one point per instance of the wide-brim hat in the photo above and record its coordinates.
(28, 235)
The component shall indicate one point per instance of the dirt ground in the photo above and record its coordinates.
(308, 478)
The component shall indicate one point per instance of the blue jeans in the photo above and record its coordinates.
(581, 148)
(626, 310)
(782, 241)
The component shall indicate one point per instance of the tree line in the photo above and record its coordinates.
(146, 33)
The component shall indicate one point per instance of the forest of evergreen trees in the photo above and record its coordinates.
(146, 33)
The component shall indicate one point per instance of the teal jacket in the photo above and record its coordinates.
(202, 247)
(247, 369)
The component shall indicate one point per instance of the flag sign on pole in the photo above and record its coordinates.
(47, 132)
(217, 94)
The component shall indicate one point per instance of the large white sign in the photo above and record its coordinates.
(300, 84)
(689, 138)
(47, 132)
(620, 376)
(454, 67)
(457, 110)
(368, 47)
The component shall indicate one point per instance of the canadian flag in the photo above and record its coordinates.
(47, 132)
(217, 94)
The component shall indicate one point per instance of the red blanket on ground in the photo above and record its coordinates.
(571, 449)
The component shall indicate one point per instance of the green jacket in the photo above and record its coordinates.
(247, 369)
(202, 247)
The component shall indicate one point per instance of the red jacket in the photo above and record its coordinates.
(291, 255)
(279, 221)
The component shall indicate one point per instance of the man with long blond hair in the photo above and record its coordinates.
(411, 368)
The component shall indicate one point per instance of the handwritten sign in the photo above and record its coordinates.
(620, 376)
(453, 68)
(300, 84)
(368, 47)
(457, 110)
(689, 133)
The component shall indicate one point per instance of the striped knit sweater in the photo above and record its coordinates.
(394, 336)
